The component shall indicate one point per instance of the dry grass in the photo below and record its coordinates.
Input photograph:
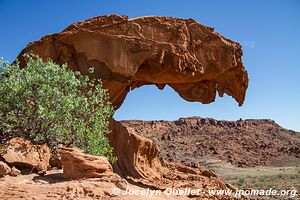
(261, 178)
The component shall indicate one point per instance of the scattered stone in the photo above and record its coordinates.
(195, 165)
(14, 171)
(208, 173)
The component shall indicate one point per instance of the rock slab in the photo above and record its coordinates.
(77, 165)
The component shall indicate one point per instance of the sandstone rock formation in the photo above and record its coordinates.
(20, 152)
(54, 186)
(78, 165)
(128, 53)
(140, 161)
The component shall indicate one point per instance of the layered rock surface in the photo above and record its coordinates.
(78, 165)
(128, 53)
(139, 160)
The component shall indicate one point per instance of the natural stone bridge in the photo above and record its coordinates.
(128, 53)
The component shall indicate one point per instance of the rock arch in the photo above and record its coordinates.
(128, 53)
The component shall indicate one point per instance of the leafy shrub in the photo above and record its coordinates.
(48, 103)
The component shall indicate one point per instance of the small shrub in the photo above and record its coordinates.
(241, 181)
(48, 103)
(279, 176)
(263, 178)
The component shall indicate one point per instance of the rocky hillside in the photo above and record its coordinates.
(242, 143)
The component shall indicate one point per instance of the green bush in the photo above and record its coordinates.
(241, 181)
(48, 103)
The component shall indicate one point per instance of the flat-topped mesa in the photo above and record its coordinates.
(128, 53)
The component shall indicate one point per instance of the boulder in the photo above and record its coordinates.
(21, 152)
(77, 165)
(4, 169)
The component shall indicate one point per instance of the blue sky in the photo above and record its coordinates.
(269, 32)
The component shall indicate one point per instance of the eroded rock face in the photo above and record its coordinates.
(140, 161)
(78, 165)
(128, 53)
(21, 152)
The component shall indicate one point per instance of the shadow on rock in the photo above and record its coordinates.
(50, 178)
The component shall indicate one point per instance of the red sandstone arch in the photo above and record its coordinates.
(128, 53)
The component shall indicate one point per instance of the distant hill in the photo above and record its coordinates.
(250, 142)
